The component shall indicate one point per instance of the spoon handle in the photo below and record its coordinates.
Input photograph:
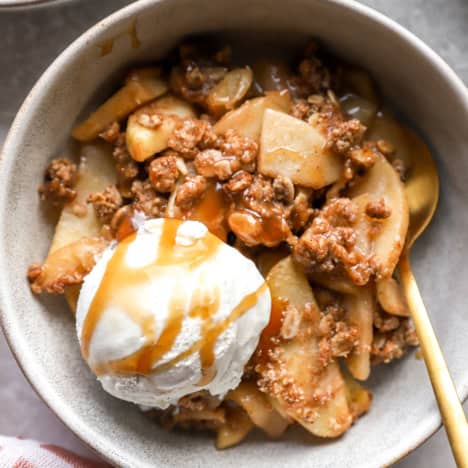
(450, 407)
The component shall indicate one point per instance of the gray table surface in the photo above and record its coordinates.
(30, 40)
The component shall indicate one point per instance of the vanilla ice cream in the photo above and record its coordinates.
(169, 311)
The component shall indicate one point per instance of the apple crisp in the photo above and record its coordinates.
(301, 168)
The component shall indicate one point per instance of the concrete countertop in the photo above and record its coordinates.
(32, 39)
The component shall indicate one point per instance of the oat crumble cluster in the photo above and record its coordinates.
(203, 152)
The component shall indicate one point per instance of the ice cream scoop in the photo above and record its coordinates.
(168, 311)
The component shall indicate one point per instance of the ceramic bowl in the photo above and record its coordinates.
(41, 331)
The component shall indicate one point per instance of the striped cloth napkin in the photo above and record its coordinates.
(22, 453)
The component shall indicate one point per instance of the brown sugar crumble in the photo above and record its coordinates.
(191, 191)
(378, 209)
(329, 243)
(106, 203)
(59, 180)
(163, 173)
(393, 344)
(147, 199)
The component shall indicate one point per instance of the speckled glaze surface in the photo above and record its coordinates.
(41, 331)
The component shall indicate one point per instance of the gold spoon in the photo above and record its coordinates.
(422, 189)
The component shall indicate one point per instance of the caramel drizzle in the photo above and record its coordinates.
(203, 305)
(120, 286)
(212, 211)
(206, 345)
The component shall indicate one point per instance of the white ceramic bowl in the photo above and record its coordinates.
(41, 331)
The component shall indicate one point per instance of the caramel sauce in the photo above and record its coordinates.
(278, 306)
(125, 227)
(204, 304)
(212, 210)
(209, 339)
(122, 285)
(212, 332)
(274, 229)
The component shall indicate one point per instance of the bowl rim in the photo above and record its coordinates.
(39, 382)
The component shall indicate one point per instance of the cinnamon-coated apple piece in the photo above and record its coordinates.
(230, 91)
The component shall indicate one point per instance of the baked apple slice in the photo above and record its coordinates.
(142, 85)
(360, 100)
(95, 172)
(384, 237)
(267, 259)
(292, 148)
(357, 107)
(272, 75)
(68, 265)
(360, 82)
(248, 118)
(386, 127)
(235, 429)
(76, 239)
(360, 313)
(338, 283)
(260, 410)
(359, 398)
(230, 91)
(291, 371)
(143, 140)
(391, 297)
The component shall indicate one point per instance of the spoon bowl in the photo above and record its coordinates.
(422, 192)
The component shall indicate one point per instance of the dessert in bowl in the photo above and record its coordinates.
(230, 237)
(289, 271)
